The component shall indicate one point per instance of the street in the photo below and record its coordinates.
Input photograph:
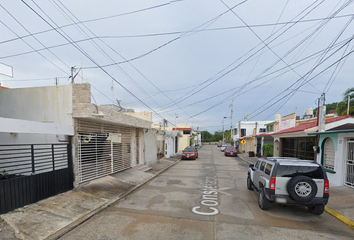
(205, 199)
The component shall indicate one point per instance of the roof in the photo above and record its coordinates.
(177, 128)
(304, 126)
(265, 134)
(174, 134)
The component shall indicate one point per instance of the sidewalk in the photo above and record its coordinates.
(341, 199)
(54, 216)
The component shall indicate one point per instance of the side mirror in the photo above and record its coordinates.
(251, 166)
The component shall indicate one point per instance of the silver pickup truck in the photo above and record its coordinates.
(289, 181)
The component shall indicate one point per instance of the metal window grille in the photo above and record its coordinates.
(329, 154)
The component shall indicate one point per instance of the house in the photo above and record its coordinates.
(185, 131)
(248, 131)
(105, 140)
(172, 143)
(335, 150)
(297, 142)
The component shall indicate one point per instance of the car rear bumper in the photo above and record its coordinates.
(230, 154)
(286, 199)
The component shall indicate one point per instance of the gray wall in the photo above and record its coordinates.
(150, 148)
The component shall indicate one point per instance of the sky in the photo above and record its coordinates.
(203, 63)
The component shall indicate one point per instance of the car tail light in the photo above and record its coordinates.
(326, 186)
(272, 183)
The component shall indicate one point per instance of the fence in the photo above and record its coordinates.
(32, 172)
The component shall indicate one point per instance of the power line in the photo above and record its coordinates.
(88, 56)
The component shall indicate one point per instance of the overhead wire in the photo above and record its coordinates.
(211, 80)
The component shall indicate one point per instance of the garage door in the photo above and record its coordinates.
(102, 149)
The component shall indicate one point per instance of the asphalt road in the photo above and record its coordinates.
(205, 199)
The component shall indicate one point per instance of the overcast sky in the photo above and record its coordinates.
(186, 58)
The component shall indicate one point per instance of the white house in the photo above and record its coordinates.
(172, 143)
(335, 151)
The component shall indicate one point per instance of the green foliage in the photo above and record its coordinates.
(216, 137)
(268, 150)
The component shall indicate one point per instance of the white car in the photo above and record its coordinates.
(223, 147)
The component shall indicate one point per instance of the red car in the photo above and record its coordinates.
(219, 144)
(190, 153)
(230, 151)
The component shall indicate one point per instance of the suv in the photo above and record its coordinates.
(289, 181)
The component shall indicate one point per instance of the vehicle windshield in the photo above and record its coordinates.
(230, 148)
(189, 150)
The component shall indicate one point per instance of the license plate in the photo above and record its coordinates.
(280, 200)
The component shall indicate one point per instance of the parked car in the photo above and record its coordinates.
(230, 151)
(190, 153)
(222, 148)
(219, 144)
(289, 181)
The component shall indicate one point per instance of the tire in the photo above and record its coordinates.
(249, 183)
(263, 202)
(317, 210)
(302, 188)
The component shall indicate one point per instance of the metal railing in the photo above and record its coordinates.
(29, 159)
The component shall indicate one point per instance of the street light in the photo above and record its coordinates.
(223, 130)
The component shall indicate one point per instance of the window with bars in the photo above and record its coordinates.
(328, 161)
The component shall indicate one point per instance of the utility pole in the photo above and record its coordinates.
(348, 105)
(72, 74)
(232, 113)
(223, 132)
(321, 117)
(176, 120)
(198, 136)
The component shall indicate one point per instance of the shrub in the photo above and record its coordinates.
(268, 150)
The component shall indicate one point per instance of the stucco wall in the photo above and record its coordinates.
(43, 104)
(340, 144)
(150, 148)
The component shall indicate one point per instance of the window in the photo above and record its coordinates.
(262, 166)
(292, 171)
(328, 161)
(235, 131)
(243, 132)
(186, 132)
(257, 164)
(268, 169)
(262, 130)
(270, 128)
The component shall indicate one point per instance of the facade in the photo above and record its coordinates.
(335, 151)
(248, 131)
(185, 131)
(105, 140)
(172, 143)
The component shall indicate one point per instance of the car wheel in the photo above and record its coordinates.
(302, 188)
(249, 183)
(317, 210)
(263, 202)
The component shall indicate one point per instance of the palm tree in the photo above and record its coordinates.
(342, 106)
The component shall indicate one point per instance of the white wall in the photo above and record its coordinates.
(150, 147)
(42, 104)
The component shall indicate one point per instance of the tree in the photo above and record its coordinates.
(342, 106)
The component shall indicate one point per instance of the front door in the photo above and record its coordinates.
(349, 178)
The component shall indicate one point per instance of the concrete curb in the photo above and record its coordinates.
(340, 217)
(94, 212)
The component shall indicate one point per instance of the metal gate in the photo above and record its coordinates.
(32, 172)
(349, 178)
(102, 149)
